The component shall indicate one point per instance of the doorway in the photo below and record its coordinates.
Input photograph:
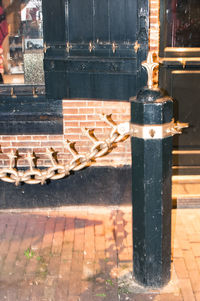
(180, 76)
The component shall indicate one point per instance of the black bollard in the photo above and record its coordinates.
(152, 128)
(151, 119)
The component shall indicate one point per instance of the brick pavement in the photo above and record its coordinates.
(77, 254)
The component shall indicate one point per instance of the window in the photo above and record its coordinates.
(180, 28)
(21, 33)
(24, 108)
(183, 23)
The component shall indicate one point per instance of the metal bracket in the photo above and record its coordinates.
(154, 131)
(45, 47)
(91, 47)
(12, 93)
(68, 47)
(114, 47)
(136, 46)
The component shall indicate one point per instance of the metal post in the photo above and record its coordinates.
(152, 128)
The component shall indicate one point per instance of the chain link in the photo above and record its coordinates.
(57, 171)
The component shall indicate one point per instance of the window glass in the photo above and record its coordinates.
(21, 42)
(183, 23)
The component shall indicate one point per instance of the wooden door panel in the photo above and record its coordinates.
(123, 16)
(92, 29)
(101, 21)
(54, 21)
(80, 21)
(186, 92)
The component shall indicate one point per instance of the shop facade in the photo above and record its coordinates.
(46, 108)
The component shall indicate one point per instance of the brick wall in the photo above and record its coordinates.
(154, 26)
(79, 114)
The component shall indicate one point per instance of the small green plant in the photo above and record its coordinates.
(101, 295)
(29, 253)
(109, 281)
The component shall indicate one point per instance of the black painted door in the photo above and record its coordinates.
(94, 48)
(180, 76)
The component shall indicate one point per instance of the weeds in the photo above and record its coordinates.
(101, 295)
(29, 253)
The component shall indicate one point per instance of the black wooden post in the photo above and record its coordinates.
(151, 188)
(152, 129)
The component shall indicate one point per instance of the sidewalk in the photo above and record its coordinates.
(77, 254)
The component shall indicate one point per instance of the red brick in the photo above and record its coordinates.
(195, 249)
(73, 137)
(86, 111)
(40, 150)
(39, 137)
(5, 144)
(76, 130)
(14, 246)
(89, 249)
(95, 103)
(189, 259)
(180, 268)
(195, 280)
(55, 137)
(68, 240)
(51, 143)
(197, 296)
(11, 138)
(70, 124)
(70, 111)
(26, 144)
(79, 235)
(87, 124)
(74, 103)
(186, 290)
(75, 117)
(22, 137)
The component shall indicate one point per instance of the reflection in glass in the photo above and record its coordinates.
(23, 42)
(183, 23)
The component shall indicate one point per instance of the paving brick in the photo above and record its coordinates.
(73, 298)
(195, 280)
(14, 246)
(57, 242)
(7, 234)
(36, 292)
(180, 268)
(190, 260)
(186, 290)
(23, 292)
(75, 283)
(197, 296)
(89, 248)
(75, 252)
(168, 297)
(195, 249)
(79, 235)
(34, 264)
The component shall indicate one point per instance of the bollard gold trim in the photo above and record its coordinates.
(160, 131)
(151, 131)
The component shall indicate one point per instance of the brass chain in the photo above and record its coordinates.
(57, 171)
